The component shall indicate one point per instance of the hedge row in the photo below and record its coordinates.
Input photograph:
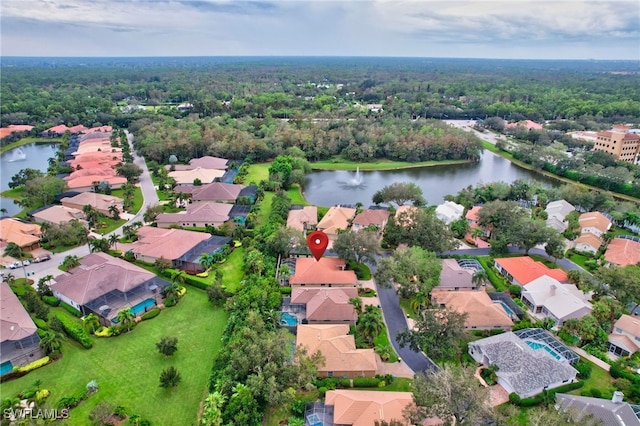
(618, 372)
(51, 300)
(359, 382)
(35, 364)
(41, 323)
(539, 399)
(75, 331)
(73, 311)
(188, 279)
(151, 314)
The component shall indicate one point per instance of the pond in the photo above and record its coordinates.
(328, 188)
(35, 156)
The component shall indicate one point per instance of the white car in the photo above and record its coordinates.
(26, 263)
(15, 265)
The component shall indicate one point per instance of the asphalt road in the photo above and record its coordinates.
(396, 321)
(467, 125)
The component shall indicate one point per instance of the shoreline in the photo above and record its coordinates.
(382, 166)
(488, 146)
(27, 141)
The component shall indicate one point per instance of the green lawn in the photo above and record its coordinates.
(25, 141)
(342, 164)
(109, 225)
(579, 260)
(265, 208)
(383, 340)
(233, 270)
(257, 173)
(15, 193)
(137, 198)
(599, 379)
(405, 304)
(127, 367)
(296, 196)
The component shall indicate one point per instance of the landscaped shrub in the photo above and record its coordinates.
(170, 302)
(618, 372)
(41, 324)
(285, 290)
(35, 364)
(515, 290)
(584, 370)
(103, 332)
(322, 392)
(51, 300)
(345, 383)
(73, 311)
(365, 382)
(538, 399)
(181, 291)
(151, 314)
(67, 402)
(514, 398)
(75, 331)
(595, 392)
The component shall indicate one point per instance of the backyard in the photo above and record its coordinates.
(127, 367)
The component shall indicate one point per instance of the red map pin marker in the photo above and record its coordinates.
(317, 242)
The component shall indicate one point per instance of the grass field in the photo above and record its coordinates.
(599, 379)
(341, 164)
(109, 225)
(127, 367)
(233, 270)
(26, 141)
(383, 340)
(579, 260)
(256, 173)
(137, 198)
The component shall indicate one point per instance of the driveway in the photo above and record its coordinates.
(396, 322)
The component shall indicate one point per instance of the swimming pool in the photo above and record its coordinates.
(507, 309)
(141, 307)
(536, 346)
(6, 367)
(287, 319)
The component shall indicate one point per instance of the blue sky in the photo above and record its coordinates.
(455, 28)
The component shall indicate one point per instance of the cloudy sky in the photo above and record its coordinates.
(557, 29)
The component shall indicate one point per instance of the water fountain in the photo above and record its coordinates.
(357, 179)
(18, 155)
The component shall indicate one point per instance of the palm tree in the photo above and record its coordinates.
(14, 250)
(206, 260)
(370, 323)
(51, 341)
(357, 304)
(480, 278)
(70, 262)
(91, 214)
(476, 233)
(3, 211)
(91, 323)
(115, 213)
(9, 278)
(125, 318)
(113, 241)
(128, 231)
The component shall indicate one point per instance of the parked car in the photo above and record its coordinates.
(15, 265)
(42, 258)
(26, 263)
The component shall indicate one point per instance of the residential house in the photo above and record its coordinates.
(326, 272)
(365, 408)
(216, 192)
(338, 347)
(197, 215)
(326, 305)
(453, 277)
(57, 215)
(403, 213)
(24, 234)
(623, 251)
(522, 369)
(208, 162)
(304, 219)
(336, 219)
(547, 297)
(523, 270)
(588, 243)
(104, 285)
(482, 312)
(19, 342)
(612, 412)
(473, 217)
(449, 212)
(14, 131)
(527, 124)
(182, 248)
(100, 202)
(557, 211)
(376, 218)
(624, 340)
(594, 223)
(87, 183)
(188, 177)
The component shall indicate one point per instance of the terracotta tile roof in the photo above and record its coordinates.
(629, 324)
(90, 157)
(87, 181)
(207, 212)
(631, 137)
(528, 124)
(589, 239)
(13, 128)
(473, 213)
(97, 275)
(188, 176)
(481, 311)
(297, 218)
(171, 244)
(336, 218)
(58, 215)
(15, 322)
(100, 202)
(364, 408)
(408, 210)
(325, 271)
(97, 171)
(623, 252)
(525, 269)
(594, 220)
(337, 347)
(79, 128)
(605, 134)
(61, 128)
(372, 217)
(215, 191)
(21, 233)
(101, 129)
(209, 162)
(326, 304)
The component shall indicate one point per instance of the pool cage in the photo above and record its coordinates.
(542, 336)
(471, 264)
(318, 414)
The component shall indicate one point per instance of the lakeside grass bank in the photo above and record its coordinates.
(27, 141)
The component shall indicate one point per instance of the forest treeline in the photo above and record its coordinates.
(45, 92)
(260, 139)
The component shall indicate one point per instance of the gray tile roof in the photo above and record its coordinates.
(609, 412)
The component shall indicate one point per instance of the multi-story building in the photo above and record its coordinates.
(622, 145)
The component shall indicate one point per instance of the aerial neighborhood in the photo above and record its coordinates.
(162, 265)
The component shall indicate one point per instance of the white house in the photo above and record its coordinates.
(449, 211)
(548, 297)
(557, 211)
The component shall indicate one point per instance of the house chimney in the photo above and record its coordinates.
(617, 397)
(552, 291)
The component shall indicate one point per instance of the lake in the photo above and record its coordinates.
(327, 188)
(35, 156)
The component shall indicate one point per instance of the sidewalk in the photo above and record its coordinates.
(597, 361)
